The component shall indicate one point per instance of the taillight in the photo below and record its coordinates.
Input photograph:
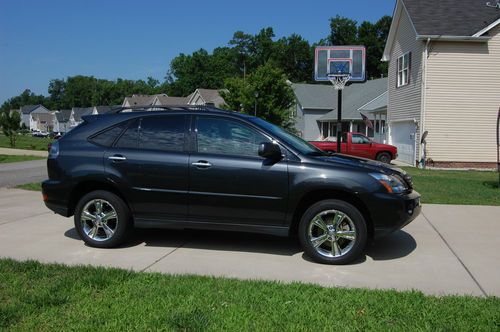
(54, 150)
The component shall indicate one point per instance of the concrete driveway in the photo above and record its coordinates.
(447, 250)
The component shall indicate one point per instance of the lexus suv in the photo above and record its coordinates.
(206, 168)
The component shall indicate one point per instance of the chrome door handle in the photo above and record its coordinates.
(117, 157)
(202, 164)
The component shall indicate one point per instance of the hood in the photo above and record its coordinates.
(367, 164)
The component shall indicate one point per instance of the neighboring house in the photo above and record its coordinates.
(27, 112)
(139, 101)
(78, 112)
(209, 97)
(444, 78)
(63, 121)
(315, 112)
(105, 109)
(42, 121)
(164, 100)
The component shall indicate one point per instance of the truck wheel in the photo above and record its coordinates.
(102, 219)
(333, 232)
(384, 157)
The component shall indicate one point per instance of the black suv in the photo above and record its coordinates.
(206, 168)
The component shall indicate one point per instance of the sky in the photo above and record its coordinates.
(42, 40)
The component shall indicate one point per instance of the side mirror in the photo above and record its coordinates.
(269, 150)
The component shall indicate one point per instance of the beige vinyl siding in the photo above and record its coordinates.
(404, 103)
(462, 100)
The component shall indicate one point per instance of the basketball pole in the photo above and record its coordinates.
(339, 120)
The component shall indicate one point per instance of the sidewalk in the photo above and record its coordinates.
(22, 152)
(449, 249)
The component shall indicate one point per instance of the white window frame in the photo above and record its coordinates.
(403, 70)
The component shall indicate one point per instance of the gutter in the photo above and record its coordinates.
(480, 39)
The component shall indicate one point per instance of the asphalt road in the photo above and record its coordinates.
(449, 249)
(13, 174)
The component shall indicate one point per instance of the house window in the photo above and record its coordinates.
(404, 69)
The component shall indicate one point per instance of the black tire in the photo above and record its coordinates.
(355, 218)
(122, 223)
(384, 157)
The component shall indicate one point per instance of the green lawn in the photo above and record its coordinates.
(26, 142)
(456, 187)
(34, 296)
(13, 159)
(35, 186)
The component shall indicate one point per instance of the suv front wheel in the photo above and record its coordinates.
(333, 232)
(102, 219)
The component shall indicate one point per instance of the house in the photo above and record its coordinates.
(63, 121)
(315, 112)
(27, 112)
(78, 112)
(164, 100)
(105, 109)
(42, 121)
(209, 97)
(444, 79)
(139, 100)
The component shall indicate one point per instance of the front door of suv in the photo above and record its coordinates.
(229, 181)
(151, 157)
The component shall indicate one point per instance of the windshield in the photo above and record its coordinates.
(296, 142)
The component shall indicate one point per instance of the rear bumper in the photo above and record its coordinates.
(391, 212)
(56, 197)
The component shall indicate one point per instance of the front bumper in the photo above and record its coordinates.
(391, 212)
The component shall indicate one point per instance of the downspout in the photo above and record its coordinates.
(424, 102)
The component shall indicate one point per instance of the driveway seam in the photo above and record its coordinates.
(456, 255)
(35, 215)
(164, 256)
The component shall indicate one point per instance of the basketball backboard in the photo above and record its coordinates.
(340, 60)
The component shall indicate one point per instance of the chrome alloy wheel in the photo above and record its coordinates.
(99, 220)
(332, 233)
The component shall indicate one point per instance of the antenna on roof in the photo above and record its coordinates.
(497, 5)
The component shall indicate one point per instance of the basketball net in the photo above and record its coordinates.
(339, 80)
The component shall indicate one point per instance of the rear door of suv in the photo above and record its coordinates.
(150, 158)
(229, 181)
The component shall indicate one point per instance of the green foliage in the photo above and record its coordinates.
(27, 142)
(10, 123)
(344, 31)
(50, 297)
(4, 159)
(274, 96)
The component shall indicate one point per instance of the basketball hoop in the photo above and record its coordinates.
(339, 80)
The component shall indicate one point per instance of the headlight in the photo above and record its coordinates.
(392, 183)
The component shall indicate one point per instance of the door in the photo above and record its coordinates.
(151, 158)
(230, 182)
(360, 146)
(402, 135)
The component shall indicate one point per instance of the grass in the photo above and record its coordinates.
(456, 187)
(34, 186)
(13, 159)
(35, 296)
(26, 142)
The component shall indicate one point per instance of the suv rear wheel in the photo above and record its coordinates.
(333, 232)
(102, 219)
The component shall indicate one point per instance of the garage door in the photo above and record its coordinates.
(402, 135)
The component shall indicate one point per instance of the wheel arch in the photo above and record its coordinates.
(84, 187)
(315, 196)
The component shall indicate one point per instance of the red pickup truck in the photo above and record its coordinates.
(356, 144)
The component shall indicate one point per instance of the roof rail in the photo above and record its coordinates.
(165, 108)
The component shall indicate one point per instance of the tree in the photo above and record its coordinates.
(343, 31)
(293, 55)
(10, 123)
(274, 95)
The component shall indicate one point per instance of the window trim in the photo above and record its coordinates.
(405, 66)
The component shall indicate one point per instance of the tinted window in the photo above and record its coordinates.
(166, 133)
(224, 136)
(108, 136)
(130, 138)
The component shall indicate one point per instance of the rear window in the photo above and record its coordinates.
(130, 138)
(164, 133)
(108, 136)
